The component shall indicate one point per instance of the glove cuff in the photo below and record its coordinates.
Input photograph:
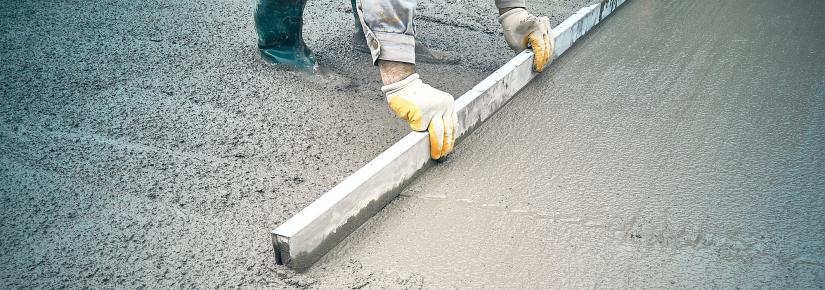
(510, 13)
(400, 84)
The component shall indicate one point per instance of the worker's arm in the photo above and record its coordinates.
(522, 30)
(390, 34)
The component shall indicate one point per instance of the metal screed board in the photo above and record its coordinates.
(308, 235)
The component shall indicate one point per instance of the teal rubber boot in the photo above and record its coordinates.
(280, 38)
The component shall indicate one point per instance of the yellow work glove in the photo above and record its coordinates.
(522, 29)
(425, 109)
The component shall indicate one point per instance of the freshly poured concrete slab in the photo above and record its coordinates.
(688, 152)
(144, 143)
(307, 236)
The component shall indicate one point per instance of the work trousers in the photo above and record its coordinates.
(389, 28)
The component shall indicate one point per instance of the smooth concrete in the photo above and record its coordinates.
(680, 145)
(143, 143)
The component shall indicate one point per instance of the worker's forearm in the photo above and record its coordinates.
(504, 5)
(504, 10)
(394, 71)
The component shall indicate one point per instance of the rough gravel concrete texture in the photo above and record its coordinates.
(687, 153)
(143, 143)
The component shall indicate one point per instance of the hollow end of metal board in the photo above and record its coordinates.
(307, 236)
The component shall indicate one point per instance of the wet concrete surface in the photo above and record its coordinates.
(143, 143)
(680, 145)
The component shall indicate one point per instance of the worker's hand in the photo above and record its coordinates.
(522, 29)
(425, 108)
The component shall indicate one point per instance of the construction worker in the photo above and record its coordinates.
(388, 29)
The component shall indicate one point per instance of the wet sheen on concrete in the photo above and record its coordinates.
(681, 144)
